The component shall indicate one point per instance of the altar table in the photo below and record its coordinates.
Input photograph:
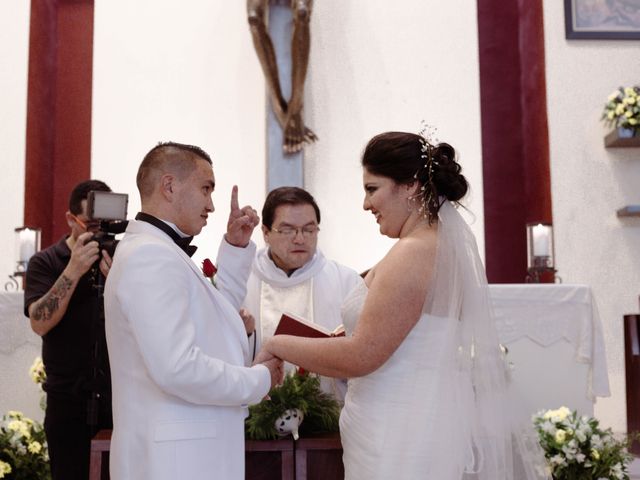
(552, 331)
(554, 338)
(19, 346)
(311, 458)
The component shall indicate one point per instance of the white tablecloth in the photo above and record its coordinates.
(555, 333)
(19, 345)
(15, 330)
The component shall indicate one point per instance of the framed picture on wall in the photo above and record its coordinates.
(602, 19)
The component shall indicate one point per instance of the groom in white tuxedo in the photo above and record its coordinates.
(177, 345)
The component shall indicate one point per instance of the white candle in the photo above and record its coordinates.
(541, 240)
(27, 239)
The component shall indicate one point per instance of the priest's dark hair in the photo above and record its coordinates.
(286, 196)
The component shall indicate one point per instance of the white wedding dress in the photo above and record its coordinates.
(439, 407)
(403, 420)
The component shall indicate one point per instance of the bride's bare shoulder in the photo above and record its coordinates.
(414, 252)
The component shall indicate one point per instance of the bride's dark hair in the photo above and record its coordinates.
(407, 157)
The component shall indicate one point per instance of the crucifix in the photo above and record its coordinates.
(280, 31)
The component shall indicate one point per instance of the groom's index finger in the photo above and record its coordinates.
(234, 198)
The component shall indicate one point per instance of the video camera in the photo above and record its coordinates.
(107, 212)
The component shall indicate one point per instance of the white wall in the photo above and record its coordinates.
(166, 70)
(14, 49)
(386, 67)
(589, 183)
(163, 71)
(169, 70)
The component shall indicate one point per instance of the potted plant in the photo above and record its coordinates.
(622, 113)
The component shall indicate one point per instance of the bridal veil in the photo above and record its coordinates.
(480, 429)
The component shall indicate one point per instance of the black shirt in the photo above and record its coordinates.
(67, 349)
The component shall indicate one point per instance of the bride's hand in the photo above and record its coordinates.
(264, 355)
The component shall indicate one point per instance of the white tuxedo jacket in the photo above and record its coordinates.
(177, 348)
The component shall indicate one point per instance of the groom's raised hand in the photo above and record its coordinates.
(241, 222)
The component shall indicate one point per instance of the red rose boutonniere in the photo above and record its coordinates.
(209, 270)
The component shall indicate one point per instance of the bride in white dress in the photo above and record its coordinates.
(427, 395)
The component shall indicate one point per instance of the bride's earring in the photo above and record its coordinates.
(414, 203)
(411, 203)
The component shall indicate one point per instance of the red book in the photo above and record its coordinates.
(291, 324)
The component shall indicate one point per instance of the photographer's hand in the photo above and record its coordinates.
(84, 254)
(105, 263)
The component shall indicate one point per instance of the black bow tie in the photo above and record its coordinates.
(182, 242)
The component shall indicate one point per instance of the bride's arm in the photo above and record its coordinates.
(393, 306)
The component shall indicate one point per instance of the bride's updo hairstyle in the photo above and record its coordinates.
(406, 158)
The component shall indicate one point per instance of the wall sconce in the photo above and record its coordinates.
(540, 256)
(27, 244)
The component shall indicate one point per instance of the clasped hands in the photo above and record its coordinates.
(273, 363)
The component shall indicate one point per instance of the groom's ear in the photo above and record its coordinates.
(265, 233)
(167, 186)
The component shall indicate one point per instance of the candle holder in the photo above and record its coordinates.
(27, 244)
(540, 253)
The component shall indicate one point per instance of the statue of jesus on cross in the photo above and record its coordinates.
(288, 114)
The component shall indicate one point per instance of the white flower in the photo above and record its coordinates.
(548, 427)
(5, 468)
(558, 460)
(569, 452)
(35, 447)
(560, 436)
(617, 471)
(37, 372)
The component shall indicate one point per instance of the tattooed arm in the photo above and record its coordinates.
(46, 312)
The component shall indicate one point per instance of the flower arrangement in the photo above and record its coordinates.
(38, 375)
(23, 447)
(209, 270)
(299, 395)
(576, 447)
(623, 108)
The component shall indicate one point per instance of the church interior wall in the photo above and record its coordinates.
(589, 183)
(165, 72)
(14, 48)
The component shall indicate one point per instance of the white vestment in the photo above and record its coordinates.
(314, 292)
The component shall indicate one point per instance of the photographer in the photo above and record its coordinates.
(65, 309)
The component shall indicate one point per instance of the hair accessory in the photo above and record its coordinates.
(428, 190)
